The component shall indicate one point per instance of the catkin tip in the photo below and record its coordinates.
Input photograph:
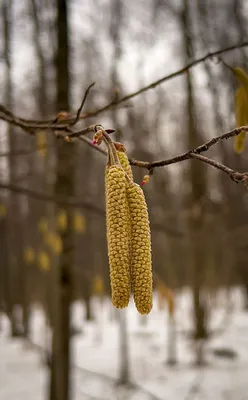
(144, 310)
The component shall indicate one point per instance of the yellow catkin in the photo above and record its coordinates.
(141, 263)
(128, 170)
(118, 235)
(125, 164)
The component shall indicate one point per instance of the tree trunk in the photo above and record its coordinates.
(171, 341)
(124, 359)
(87, 298)
(16, 273)
(60, 382)
(198, 191)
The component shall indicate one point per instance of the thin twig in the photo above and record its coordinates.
(31, 126)
(76, 134)
(236, 176)
(70, 202)
(166, 78)
(82, 104)
(185, 156)
(26, 152)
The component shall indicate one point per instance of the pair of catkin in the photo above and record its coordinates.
(129, 238)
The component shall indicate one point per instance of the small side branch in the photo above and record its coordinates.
(82, 104)
(235, 176)
(195, 153)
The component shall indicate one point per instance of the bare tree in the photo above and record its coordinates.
(198, 191)
(63, 291)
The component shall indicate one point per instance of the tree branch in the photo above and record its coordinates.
(236, 176)
(166, 78)
(195, 153)
(65, 122)
(70, 202)
(61, 126)
(150, 166)
(82, 104)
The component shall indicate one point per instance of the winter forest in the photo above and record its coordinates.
(123, 200)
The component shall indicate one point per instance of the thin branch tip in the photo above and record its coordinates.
(82, 104)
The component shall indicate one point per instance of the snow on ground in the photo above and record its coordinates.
(96, 357)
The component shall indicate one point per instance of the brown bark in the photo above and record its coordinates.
(60, 382)
(198, 190)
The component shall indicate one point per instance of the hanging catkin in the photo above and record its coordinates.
(141, 264)
(118, 230)
(125, 164)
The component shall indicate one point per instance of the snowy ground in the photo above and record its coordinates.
(23, 375)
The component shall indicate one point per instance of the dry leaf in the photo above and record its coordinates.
(241, 114)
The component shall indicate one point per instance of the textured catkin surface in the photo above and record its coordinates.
(125, 164)
(141, 263)
(118, 230)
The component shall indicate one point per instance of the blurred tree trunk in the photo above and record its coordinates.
(16, 268)
(196, 197)
(87, 292)
(43, 108)
(60, 382)
(239, 17)
(124, 377)
(219, 239)
(116, 21)
(234, 204)
(171, 340)
(170, 246)
(42, 96)
(4, 293)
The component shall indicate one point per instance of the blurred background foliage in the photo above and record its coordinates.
(50, 51)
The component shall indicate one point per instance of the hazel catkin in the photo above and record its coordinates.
(141, 263)
(118, 228)
(125, 164)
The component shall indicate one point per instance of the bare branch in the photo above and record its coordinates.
(64, 124)
(236, 176)
(64, 129)
(61, 126)
(24, 152)
(89, 142)
(196, 151)
(82, 104)
(166, 78)
(70, 202)
(30, 126)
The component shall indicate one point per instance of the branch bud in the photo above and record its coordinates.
(98, 137)
(145, 180)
